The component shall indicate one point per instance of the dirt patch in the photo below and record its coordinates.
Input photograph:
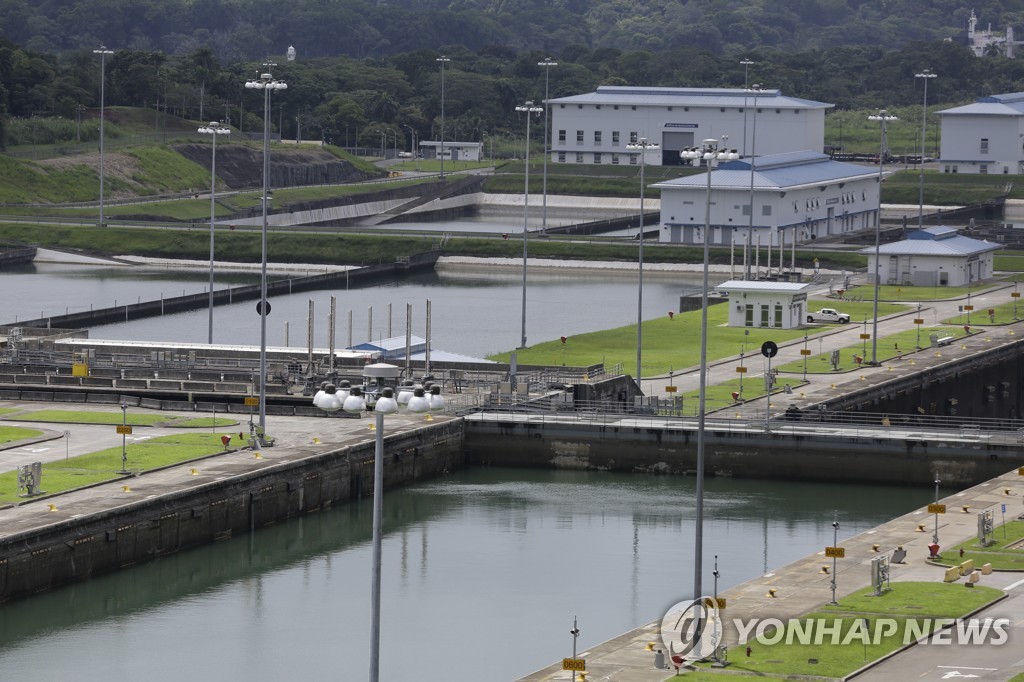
(118, 166)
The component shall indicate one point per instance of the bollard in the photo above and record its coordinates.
(193, 472)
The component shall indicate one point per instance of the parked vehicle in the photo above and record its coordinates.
(828, 315)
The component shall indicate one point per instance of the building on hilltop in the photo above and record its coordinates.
(798, 197)
(933, 256)
(596, 127)
(987, 43)
(985, 137)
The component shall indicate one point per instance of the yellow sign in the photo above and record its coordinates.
(80, 369)
(865, 336)
(936, 509)
(1015, 294)
(805, 351)
(1020, 472)
(124, 429)
(718, 602)
(918, 320)
(968, 308)
(835, 552)
(741, 370)
(252, 401)
(671, 389)
(578, 664)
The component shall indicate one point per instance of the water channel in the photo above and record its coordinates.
(484, 569)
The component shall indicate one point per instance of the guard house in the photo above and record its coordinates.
(595, 127)
(453, 151)
(797, 197)
(777, 305)
(933, 256)
(984, 137)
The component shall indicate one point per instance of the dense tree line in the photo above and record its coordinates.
(354, 101)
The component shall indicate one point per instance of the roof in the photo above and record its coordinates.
(1009, 104)
(935, 241)
(767, 287)
(389, 344)
(696, 97)
(776, 172)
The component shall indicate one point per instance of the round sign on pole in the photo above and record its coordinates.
(769, 349)
(259, 308)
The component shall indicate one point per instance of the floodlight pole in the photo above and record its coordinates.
(642, 145)
(528, 109)
(883, 117)
(547, 64)
(926, 76)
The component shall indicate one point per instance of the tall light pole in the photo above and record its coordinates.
(882, 117)
(444, 60)
(642, 145)
(102, 52)
(747, 63)
(528, 109)
(711, 154)
(213, 130)
(926, 76)
(756, 89)
(546, 64)
(267, 84)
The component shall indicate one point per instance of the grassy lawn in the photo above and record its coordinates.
(999, 554)
(1004, 313)
(905, 341)
(9, 434)
(906, 601)
(8, 410)
(719, 393)
(62, 475)
(114, 418)
(890, 292)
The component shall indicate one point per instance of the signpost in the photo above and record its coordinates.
(769, 349)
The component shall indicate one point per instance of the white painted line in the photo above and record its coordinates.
(1013, 585)
(771, 575)
(963, 667)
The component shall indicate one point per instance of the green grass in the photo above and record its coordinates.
(115, 418)
(889, 292)
(62, 475)
(9, 434)
(998, 554)
(434, 165)
(8, 410)
(1003, 313)
(906, 601)
(888, 348)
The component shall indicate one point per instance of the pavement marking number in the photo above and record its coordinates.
(835, 552)
(936, 509)
(124, 429)
(578, 664)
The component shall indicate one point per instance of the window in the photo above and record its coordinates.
(561, 137)
(579, 157)
(984, 145)
(597, 157)
(766, 210)
(561, 106)
(615, 159)
(746, 209)
(633, 136)
(579, 137)
(983, 169)
(579, 106)
(598, 106)
(670, 108)
(561, 157)
(633, 107)
(615, 138)
(616, 107)
(632, 159)
(597, 138)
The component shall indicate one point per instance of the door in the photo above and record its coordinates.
(749, 320)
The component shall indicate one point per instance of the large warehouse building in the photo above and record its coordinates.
(984, 137)
(597, 127)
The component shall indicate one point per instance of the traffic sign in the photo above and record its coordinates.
(835, 552)
(968, 308)
(671, 389)
(865, 336)
(577, 664)
(252, 401)
(1015, 294)
(918, 320)
(769, 349)
(124, 429)
(741, 370)
(936, 509)
(259, 307)
(805, 351)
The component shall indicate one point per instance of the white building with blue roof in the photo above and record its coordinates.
(984, 137)
(797, 197)
(933, 256)
(595, 127)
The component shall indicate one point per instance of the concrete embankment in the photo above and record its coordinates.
(79, 534)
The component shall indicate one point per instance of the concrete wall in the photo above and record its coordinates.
(81, 547)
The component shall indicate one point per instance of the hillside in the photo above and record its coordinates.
(362, 28)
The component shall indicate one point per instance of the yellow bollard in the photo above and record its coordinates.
(771, 592)
(125, 489)
(429, 418)
(373, 427)
(52, 507)
(194, 472)
(257, 455)
(650, 646)
(874, 548)
(316, 441)
(824, 569)
(966, 508)
(920, 528)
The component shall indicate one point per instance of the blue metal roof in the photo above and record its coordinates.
(934, 233)
(775, 171)
(947, 246)
(696, 97)
(1009, 104)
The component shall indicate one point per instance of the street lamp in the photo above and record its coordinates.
(444, 60)
(102, 52)
(756, 89)
(528, 109)
(214, 129)
(926, 76)
(546, 64)
(882, 117)
(711, 155)
(352, 400)
(267, 84)
(747, 63)
(642, 145)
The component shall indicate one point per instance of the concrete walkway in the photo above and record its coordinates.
(801, 587)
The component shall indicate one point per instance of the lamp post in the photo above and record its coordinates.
(711, 154)
(444, 60)
(882, 117)
(747, 63)
(330, 399)
(642, 145)
(102, 52)
(756, 89)
(935, 535)
(528, 109)
(926, 76)
(546, 64)
(267, 83)
(213, 130)
(124, 439)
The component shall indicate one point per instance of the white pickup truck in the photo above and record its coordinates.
(828, 315)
